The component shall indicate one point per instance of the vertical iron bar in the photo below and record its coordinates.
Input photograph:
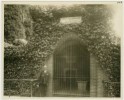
(70, 65)
(56, 73)
(31, 88)
(9, 89)
(60, 61)
(53, 73)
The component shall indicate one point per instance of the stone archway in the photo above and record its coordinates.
(68, 43)
(71, 68)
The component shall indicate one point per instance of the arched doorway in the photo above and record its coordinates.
(71, 69)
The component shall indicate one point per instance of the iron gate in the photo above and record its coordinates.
(71, 75)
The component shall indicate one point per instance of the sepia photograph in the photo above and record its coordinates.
(62, 49)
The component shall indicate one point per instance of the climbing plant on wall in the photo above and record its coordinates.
(46, 31)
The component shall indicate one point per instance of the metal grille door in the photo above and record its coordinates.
(71, 71)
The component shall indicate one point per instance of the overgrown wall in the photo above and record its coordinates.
(43, 30)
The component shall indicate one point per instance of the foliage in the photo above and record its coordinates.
(95, 31)
(112, 89)
(15, 17)
(19, 87)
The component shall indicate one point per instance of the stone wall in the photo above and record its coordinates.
(93, 76)
(49, 64)
(97, 75)
(101, 76)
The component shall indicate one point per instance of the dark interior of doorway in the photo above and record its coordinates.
(71, 71)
